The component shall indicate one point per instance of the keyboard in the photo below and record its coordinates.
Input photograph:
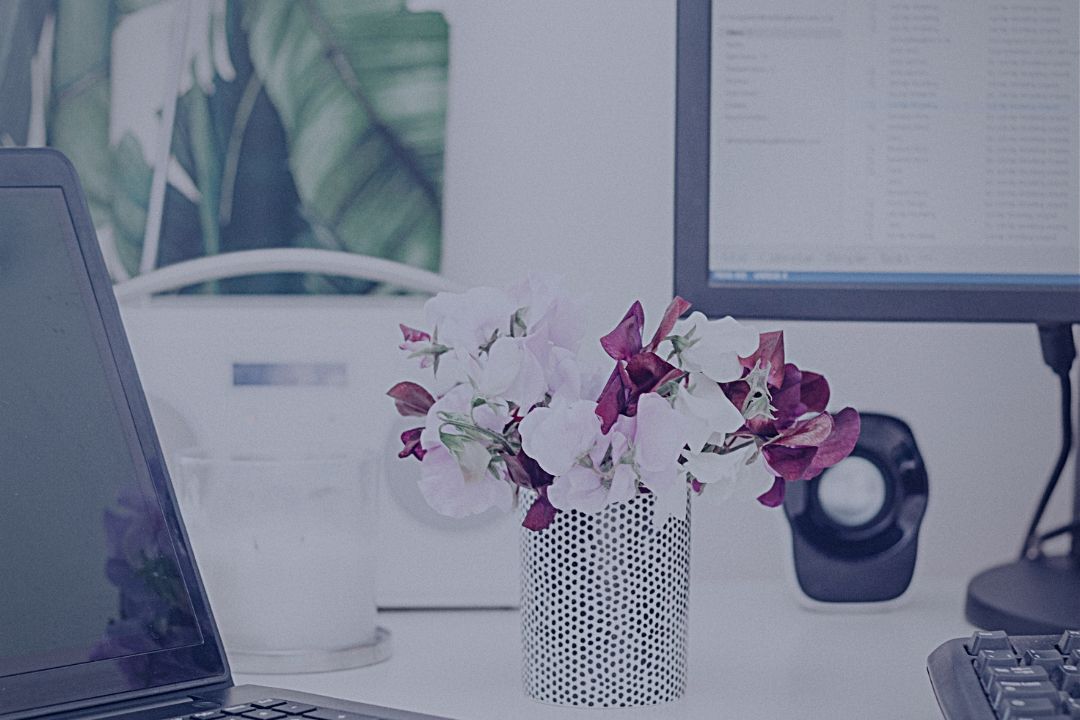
(996, 676)
(275, 709)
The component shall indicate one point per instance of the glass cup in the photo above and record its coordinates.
(286, 549)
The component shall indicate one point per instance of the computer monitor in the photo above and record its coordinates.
(863, 160)
(914, 161)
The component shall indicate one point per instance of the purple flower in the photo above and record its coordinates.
(638, 369)
(784, 411)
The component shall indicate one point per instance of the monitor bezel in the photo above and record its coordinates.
(808, 301)
(97, 682)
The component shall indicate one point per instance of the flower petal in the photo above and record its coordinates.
(623, 484)
(579, 489)
(624, 341)
(788, 463)
(556, 437)
(770, 350)
(412, 334)
(660, 436)
(447, 491)
(541, 513)
(814, 392)
(612, 400)
(525, 472)
(774, 496)
(706, 409)
(808, 433)
(839, 444)
(670, 502)
(410, 399)
(675, 308)
(410, 439)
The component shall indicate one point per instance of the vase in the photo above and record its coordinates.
(604, 601)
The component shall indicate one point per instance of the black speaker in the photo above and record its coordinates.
(855, 527)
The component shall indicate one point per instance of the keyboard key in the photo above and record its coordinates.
(1074, 657)
(1005, 692)
(264, 714)
(995, 658)
(1067, 679)
(1070, 640)
(994, 675)
(295, 708)
(988, 640)
(268, 703)
(1048, 659)
(1028, 708)
(208, 715)
(1072, 708)
(237, 709)
(324, 714)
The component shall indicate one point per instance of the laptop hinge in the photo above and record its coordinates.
(156, 704)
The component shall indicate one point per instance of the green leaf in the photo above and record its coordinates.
(78, 126)
(360, 86)
(20, 28)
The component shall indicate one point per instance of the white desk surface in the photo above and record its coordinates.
(754, 654)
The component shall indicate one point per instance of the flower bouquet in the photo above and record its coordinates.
(602, 463)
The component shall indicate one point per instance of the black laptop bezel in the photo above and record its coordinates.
(98, 682)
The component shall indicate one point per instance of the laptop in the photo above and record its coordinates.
(102, 612)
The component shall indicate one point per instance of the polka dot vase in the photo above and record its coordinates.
(604, 607)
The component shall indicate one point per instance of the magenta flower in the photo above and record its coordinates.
(785, 416)
(638, 369)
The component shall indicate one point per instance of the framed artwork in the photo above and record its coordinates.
(201, 127)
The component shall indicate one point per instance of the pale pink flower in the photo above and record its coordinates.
(608, 477)
(509, 371)
(466, 321)
(713, 347)
(557, 437)
(462, 485)
(706, 410)
(658, 443)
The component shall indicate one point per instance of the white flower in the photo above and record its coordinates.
(462, 485)
(658, 442)
(467, 321)
(458, 402)
(509, 370)
(557, 437)
(714, 347)
(563, 373)
(723, 472)
(547, 312)
(586, 490)
(590, 489)
(706, 409)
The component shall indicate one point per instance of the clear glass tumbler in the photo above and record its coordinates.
(286, 549)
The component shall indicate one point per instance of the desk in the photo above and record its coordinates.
(754, 654)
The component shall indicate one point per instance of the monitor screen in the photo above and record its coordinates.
(864, 159)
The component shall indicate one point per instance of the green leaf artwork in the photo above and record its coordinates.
(293, 123)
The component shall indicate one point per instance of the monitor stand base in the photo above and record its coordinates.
(1027, 597)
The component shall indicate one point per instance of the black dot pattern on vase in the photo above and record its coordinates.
(604, 605)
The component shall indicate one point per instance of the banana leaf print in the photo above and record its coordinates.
(272, 123)
(358, 87)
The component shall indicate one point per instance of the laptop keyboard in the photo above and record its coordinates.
(275, 709)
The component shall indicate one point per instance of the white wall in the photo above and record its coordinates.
(560, 157)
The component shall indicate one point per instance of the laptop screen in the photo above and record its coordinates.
(90, 568)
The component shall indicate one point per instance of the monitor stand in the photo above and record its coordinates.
(1038, 596)
(1027, 597)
